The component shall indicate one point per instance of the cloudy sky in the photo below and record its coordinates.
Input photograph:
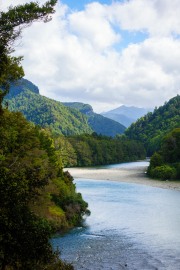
(105, 53)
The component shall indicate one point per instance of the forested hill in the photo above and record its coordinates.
(82, 107)
(63, 119)
(24, 97)
(21, 86)
(100, 124)
(151, 128)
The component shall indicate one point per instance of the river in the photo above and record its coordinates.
(131, 226)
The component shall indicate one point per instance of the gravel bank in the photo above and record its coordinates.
(134, 175)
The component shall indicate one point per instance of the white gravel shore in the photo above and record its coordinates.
(135, 175)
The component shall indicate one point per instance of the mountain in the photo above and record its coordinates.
(151, 128)
(21, 86)
(24, 97)
(99, 123)
(126, 115)
(62, 118)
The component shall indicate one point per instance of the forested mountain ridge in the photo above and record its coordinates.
(24, 97)
(82, 107)
(20, 86)
(99, 123)
(151, 128)
(62, 118)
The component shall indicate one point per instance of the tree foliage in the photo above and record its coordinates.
(45, 112)
(30, 169)
(62, 118)
(99, 124)
(165, 164)
(90, 150)
(151, 128)
(35, 194)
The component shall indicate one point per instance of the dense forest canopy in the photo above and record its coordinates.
(62, 118)
(165, 164)
(151, 128)
(98, 123)
(46, 112)
(90, 150)
(36, 196)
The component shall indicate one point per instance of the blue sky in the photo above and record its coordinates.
(127, 37)
(79, 4)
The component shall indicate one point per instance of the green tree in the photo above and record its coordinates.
(156, 160)
(151, 128)
(164, 172)
(28, 164)
(26, 159)
(165, 164)
(171, 146)
(22, 172)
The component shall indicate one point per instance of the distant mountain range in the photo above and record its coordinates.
(126, 115)
(67, 119)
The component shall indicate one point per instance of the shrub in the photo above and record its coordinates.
(163, 172)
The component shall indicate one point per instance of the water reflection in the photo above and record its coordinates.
(130, 227)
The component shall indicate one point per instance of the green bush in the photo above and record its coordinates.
(163, 172)
(156, 160)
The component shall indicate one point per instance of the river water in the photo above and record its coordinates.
(131, 227)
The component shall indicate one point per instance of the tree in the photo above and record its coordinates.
(156, 160)
(24, 168)
(165, 164)
(171, 146)
(25, 159)
(27, 164)
(12, 23)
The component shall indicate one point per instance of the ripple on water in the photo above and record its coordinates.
(131, 227)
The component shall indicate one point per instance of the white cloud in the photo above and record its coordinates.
(157, 17)
(94, 26)
(75, 57)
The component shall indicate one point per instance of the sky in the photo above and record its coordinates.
(105, 53)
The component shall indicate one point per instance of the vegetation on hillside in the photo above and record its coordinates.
(46, 112)
(30, 168)
(36, 196)
(165, 164)
(98, 123)
(151, 128)
(62, 118)
(20, 86)
(105, 126)
(90, 150)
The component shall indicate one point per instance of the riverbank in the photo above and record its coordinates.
(130, 175)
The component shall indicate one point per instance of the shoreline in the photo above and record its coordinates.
(135, 175)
